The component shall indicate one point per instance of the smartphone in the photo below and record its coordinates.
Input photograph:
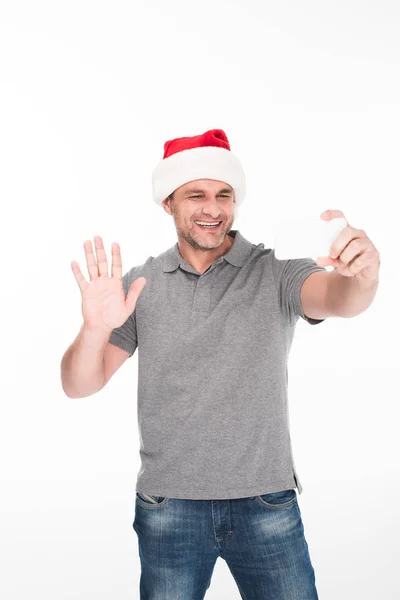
(309, 237)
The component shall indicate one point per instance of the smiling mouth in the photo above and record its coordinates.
(210, 227)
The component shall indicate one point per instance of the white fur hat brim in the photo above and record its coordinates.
(203, 162)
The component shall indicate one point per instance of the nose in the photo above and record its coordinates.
(211, 209)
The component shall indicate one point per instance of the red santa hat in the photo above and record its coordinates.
(205, 156)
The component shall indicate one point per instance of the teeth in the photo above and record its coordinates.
(207, 224)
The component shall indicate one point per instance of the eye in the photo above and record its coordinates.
(222, 196)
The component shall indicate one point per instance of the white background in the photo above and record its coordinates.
(308, 94)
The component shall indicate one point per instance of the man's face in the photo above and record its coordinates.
(202, 200)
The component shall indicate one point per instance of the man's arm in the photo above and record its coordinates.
(329, 294)
(82, 366)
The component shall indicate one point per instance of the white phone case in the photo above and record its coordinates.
(306, 238)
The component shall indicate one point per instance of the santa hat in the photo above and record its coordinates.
(205, 156)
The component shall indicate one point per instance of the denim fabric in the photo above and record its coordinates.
(261, 538)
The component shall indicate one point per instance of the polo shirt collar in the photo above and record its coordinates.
(237, 254)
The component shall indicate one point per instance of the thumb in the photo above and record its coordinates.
(134, 293)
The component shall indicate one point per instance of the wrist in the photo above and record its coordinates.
(95, 331)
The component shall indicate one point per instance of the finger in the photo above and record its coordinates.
(354, 267)
(327, 261)
(91, 260)
(345, 236)
(332, 214)
(102, 264)
(116, 264)
(134, 292)
(78, 275)
(355, 248)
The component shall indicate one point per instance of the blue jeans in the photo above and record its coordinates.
(261, 538)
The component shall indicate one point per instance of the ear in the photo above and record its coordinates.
(166, 206)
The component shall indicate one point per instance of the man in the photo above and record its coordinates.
(213, 318)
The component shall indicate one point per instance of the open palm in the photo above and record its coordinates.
(104, 305)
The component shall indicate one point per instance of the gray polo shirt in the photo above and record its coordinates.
(212, 371)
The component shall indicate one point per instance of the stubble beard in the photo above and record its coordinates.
(197, 240)
(189, 234)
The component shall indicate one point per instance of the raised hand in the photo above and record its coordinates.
(104, 305)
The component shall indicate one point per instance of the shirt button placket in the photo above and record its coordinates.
(202, 293)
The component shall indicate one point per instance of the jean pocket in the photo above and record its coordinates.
(150, 498)
(278, 499)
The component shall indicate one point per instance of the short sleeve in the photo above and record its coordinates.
(125, 336)
(289, 276)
